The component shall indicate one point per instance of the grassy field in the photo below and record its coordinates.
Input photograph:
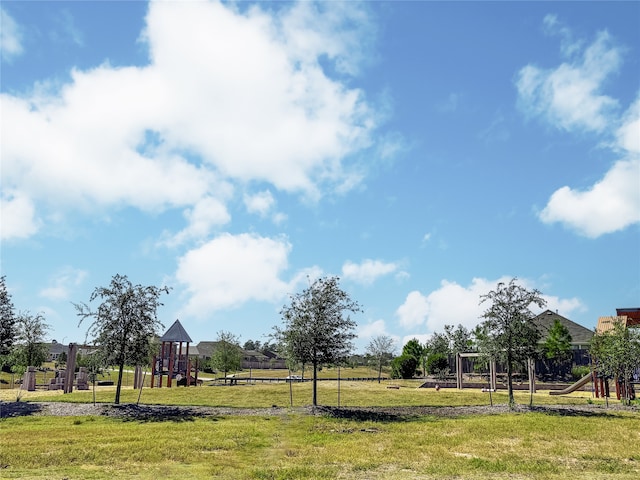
(351, 393)
(44, 375)
(596, 445)
(513, 446)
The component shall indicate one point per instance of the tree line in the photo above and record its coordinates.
(316, 330)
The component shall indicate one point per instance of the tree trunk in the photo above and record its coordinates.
(119, 386)
(314, 397)
(512, 401)
(379, 370)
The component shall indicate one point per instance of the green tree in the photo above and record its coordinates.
(381, 349)
(316, 330)
(62, 359)
(227, 356)
(404, 366)
(7, 322)
(617, 354)
(416, 350)
(437, 343)
(510, 335)
(252, 345)
(438, 365)
(29, 349)
(460, 339)
(124, 323)
(557, 345)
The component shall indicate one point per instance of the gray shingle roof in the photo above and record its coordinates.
(579, 335)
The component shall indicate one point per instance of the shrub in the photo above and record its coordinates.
(403, 366)
(437, 363)
(579, 371)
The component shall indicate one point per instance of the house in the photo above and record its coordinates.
(629, 317)
(580, 336)
(250, 358)
(56, 349)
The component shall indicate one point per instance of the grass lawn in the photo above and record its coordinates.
(599, 445)
(530, 445)
(352, 393)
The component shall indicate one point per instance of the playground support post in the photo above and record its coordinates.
(493, 379)
(71, 368)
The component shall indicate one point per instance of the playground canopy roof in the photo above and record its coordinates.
(176, 333)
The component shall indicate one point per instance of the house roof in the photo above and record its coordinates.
(579, 335)
(206, 348)
(176, 333)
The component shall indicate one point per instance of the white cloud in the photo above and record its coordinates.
(17, 216)
(413, 311)
(421, 337)
(569, 96)
(62, 283)
(454, 304)
(564, 306)
(372, 329)
(260, 203)
(368, 271)
(166, 135)
(206, 214)
(10, 37)
(233, 269)
(613, 203)
(608, 206)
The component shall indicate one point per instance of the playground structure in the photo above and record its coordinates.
(173, 360)
(64, 379)
(493, 376)
(629, 317)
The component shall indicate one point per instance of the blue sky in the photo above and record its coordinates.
(422, 151)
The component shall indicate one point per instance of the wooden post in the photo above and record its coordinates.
(532, 375)
(492, 374)
(71, 368)
(458, 371)
(188, 367)
(161, 370)
(171, 359)
(153, 369)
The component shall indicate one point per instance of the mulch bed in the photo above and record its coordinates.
(155, 413)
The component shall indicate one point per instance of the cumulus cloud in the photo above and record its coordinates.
(455, 304)
(570, 98)
(206, 214)
(611, 204)
(167, 134)
(372, 329)
(608, 206)
(368, 271)
(233, 269)
(260, 203)
(10, 37)
(413, 311)
(17, 216)
(63, 282)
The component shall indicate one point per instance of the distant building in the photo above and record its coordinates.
(580, 336)
(629, 317)
(55, 349)
(250, 358)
